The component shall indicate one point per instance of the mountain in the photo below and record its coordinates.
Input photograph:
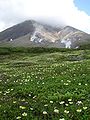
(33, 34)
(72, 38)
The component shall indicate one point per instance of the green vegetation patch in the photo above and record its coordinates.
(44, 84)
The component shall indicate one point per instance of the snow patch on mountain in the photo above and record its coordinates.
(11, 40)
(67, 43)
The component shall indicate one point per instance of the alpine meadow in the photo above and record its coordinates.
(44, 83)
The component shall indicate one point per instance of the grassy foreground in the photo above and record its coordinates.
(44, 84)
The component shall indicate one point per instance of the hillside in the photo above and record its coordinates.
(33, 34)
(44, 84)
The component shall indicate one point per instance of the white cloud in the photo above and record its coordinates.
(54, 12)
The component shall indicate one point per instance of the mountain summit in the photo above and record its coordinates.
(33, 34)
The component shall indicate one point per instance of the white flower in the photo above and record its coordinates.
(79, 102)
(44, 112)
(79, 110)
(66, 111)
(43, 83)
(29, 95)
(14, 102)
(65, 83)
(61, 119)
(56, 110)
(68, 81)
(66, 104)
(69, 100)
(86, 84)
(62, 102)
(31, 108)
(84, 108)
(22, 107)
(23, 100)
(18, 117)
(51, 101)
(46, 105)
(61, 80)
(79, 83)
(11, 89)
(34, 97)
(24, 114)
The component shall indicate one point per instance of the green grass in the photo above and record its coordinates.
(44, 84)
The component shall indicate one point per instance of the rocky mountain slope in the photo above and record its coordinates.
(33, 34)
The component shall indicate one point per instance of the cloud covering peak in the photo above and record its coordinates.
(54, 12)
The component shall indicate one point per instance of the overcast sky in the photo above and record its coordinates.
(55, 12)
